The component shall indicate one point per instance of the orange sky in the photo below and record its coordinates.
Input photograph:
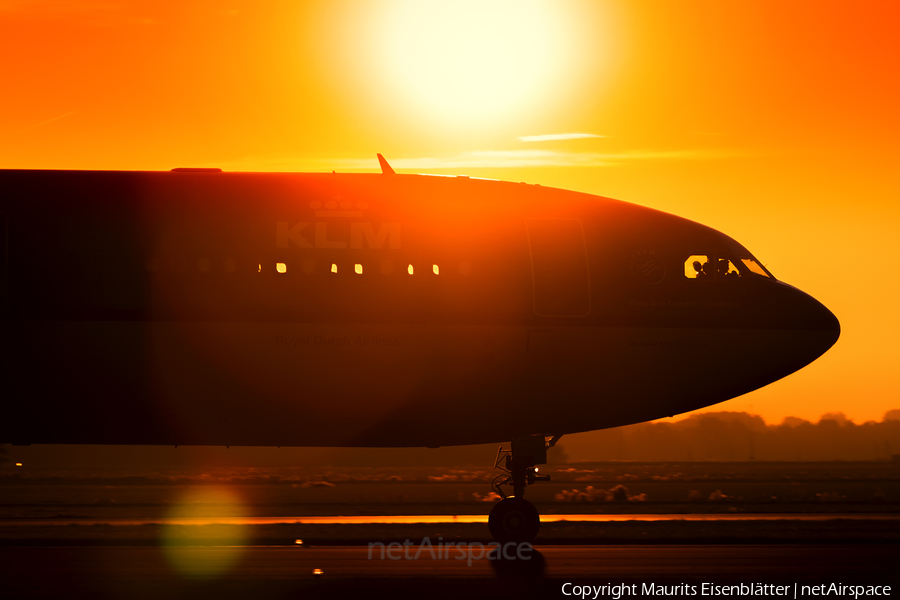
(775, 122)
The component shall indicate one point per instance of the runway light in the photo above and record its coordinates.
(318, 572)
(281, 267)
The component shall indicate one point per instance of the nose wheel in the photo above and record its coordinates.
(515, 519)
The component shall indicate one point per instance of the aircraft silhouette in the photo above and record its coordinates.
(292, 309)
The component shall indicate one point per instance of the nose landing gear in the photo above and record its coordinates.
(515, 519)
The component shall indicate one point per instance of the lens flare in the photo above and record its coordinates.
(194, 542)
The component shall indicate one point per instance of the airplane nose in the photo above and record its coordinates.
(812, 314)
(802, 312)
(829, 321)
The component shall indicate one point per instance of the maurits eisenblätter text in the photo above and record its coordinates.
(617, 591)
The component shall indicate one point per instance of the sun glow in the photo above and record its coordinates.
(471, 60)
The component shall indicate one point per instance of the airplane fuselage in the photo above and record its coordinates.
(369, 310)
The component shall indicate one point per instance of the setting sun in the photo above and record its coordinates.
(470, 60)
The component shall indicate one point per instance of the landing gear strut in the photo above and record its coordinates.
(515, 519)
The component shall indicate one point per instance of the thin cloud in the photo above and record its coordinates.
(52, 119)
(558, 136)
(480, 159)
(495, 159)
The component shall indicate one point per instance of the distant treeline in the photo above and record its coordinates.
(716, 436)
(738, 436)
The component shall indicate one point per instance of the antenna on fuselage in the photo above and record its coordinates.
(385, 167)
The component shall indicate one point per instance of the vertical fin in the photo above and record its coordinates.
(385, 167)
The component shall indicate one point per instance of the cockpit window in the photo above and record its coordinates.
(727, 269)
(705, 266)
(755, 267)
(710, 266)
(694, 266)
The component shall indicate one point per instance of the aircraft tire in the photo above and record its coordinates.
(514, 520)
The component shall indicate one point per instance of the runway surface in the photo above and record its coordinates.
(436, 519)
(360, 571)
